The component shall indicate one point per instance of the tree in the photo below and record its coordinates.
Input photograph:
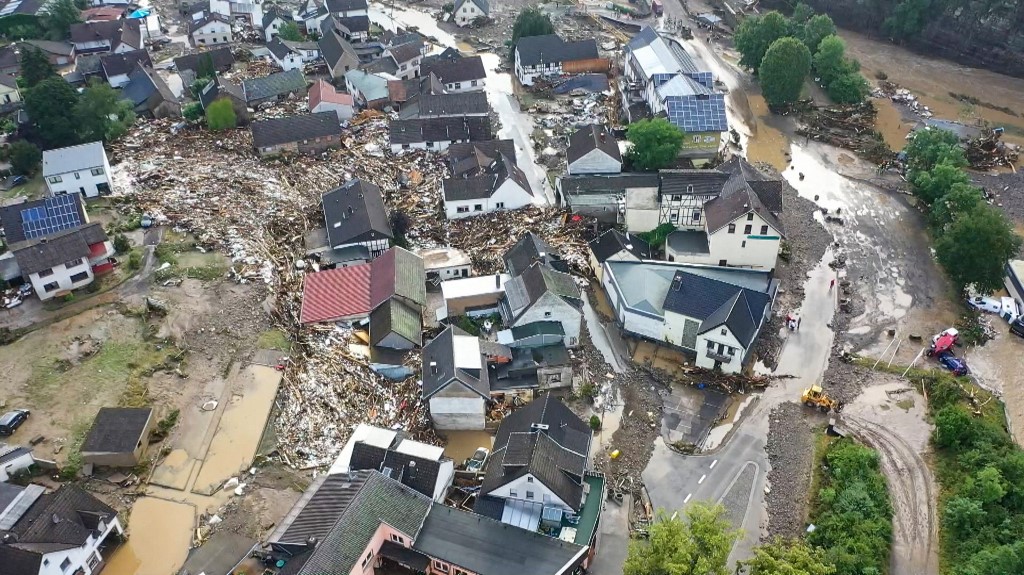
(961, 198)
(788, 557)
(220, 115)
(930, 146)
(61, 14)
(205, 67)
(963, 514)
(801, 14)
(290, 31)
(656, 144)
(698, 545)
(931, 185)
(51, 105)
(35, 66)
(197, 85)
(850, 88)
(817, 29)
(530, 22)
(192, 112)
(908, 18)
(122, 244)
(975, 248)
(783, 70)
(987, 485)
(756, 34)
(102, 114)
(25, 157)
(830, 59)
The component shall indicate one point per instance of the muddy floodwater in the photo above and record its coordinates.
(461, 445)
(159, 536)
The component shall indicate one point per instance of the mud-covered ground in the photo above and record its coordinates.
(790, 449)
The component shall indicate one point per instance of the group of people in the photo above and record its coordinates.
(792, 321)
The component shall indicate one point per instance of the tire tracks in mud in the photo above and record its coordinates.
(913, 494)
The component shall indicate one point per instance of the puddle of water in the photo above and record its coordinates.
(175, 470)
(465, 48)
(890, 123)
(461, 445)
(767, 144)
(240, 429)
(159, 536)
(718, 434)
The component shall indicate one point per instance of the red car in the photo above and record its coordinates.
(942, 345)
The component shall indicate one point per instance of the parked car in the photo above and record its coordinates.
(12, 420)
(954, 364)
(1017, 327)
(479, 459)
(989, 304)
(951, 332)
(1009, 309)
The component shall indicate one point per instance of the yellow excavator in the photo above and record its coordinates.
(815, 396)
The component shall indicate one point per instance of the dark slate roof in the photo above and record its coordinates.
(482, 4)
(277, 84)
(746, 190)
(589, 138)
(443, 105)
(715, 302)
(277, 131)
(458, 70)
(345, 5)
(143, 83)
(440, 351)
(219, 87)
(550, 48)
(354, 24)
(692, 182)
(381, 500)
(395, 316)
(277, 47)
(415, 472)
(470, 158)
(272, 14)
(529, 249)
(333, 47)
(407, 51)
(42, 254)
(117, 429)
(125, 31)
(483, 545)
(405, 556)
(367, 456)
(606, 183)
(124, 62)
(355, 210)
(9, 57)
(8, 491)
(319, 508)
(545, 439)
(208, 17)
(471, 128)
(381, 66)
(613, 241)
(13, 217)
(60, 520)
(485, 184)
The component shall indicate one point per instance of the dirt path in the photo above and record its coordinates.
(913, 494)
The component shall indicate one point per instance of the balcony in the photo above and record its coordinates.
(715, 356)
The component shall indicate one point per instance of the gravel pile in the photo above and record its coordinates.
(791, 454)
(1008, 190)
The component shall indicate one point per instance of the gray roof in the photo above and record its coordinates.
(273, 85)
(59, 48)
(606, 183)
(38, 218)
(689, 242)
(528, 287)
(613, 241)
(482, 4)
(439, 367)
(589, 138)
(451, 71)
(380, 66)
(117, 32)
(692, 182)
(319, 508)
(419, 473)
(73, 158)
(353, 24)
(124, 62)
(471, 128)
(484, 185)
(531, 248)
(483, 545)
(60, 520)
(371, 86)
(42, 254)
(143, 83)
(10, 492)
(345, 5)
(272, 14)
(355, 212)
(117, 429)
(471, 158)
(277, 131)
(407, 51)
(550, 48)
(715, 302)
(446, 105)
(333, 47)
(747, 190)
(381, 500)
(208, 17)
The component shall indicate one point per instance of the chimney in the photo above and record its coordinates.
(497, 281)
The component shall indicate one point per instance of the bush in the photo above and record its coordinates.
(121, 244)
(25, 158)
(192, 112)
(134, 261)
(220, 115)
(783, 70)
(595, 422)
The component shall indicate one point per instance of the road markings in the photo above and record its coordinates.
(687, 500)
(702, 478)
(713, 463)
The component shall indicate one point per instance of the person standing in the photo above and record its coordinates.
(831, 284)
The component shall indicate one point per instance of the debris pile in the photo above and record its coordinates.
(790, 451)
(902, 96)
(988, 151)
(851, 127)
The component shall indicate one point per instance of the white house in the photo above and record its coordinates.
(436, 134)
(59, 263)
(502, 186)
(9, 94)
(467, 11)
(549, 55)
(472, 296)
(714, 313)
(456, 384)
(323, 97)
(83, 168)
(77, 526)
(592, 150)
(210, 30)
(407, 58)
(293, 55)
(14, 458)
(272, 23)
(445, 263)
(455, 72)
(311, 13)
(542, 294)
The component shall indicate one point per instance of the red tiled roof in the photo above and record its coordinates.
(321, 91)
(332, 295)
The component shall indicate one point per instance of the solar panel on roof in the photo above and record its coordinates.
(56, 214)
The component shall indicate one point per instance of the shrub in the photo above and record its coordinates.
(595, 422)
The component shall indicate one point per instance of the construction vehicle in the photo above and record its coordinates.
(815, 396)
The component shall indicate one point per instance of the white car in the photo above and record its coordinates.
(988, 304)
(951, 331)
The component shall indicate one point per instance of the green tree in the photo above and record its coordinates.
(817, 29)
(197, 85)
(35, 66)
(849, 88)
(290, 31)
(102, 114)
(931, 146)
(975, 248)
(908, 19)
(961, 198)
(830, 60)
(987, 486)
(25, 157)
(931, 185)
(530, 22)
(696, 545)
(192, 112)
(756, 34)
(51, 106)
(801, 14)
(656, 144)
(205, 67)
(954, 428)
(61, 14)
(220, 115)
(963, 514)
(788, 557)
(783, 70)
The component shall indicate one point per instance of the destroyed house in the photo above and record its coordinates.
(402, 91)
(592, 150)
(473, 297)
(465, 12)
(220, 59)
(473, 158)
(117, 67)
(457, 75)
(352, 28)
(549, 55)
(304, 134)
(436, 134)
(368, 90)
(609, 197)
(417, 465)
(118, 437)
(375, 523)
(66, 529)
(614, 245)
(398, 293)
(501, 185)
(530, 249)
(219, 89)
(110, 36)
(357, 218)
(273, 87)
(542, 294)
(446, 106)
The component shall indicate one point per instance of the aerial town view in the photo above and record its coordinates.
(511, 287)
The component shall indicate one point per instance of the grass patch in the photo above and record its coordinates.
(274, 339)
(33, 189)
(73, 465)
(208, 272)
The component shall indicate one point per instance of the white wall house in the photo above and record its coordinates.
(642, 209)
(210, 31)
(467, 11)
(747, 241)
(13, 459)
(272, 25)
(83, 168)
(558, 300)
(348, 8)
(593, 150)
(456, 384)
(504, 187)
(293, 55)
(529, 488)
(82, 559)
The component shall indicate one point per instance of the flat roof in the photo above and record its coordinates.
(421, 450)
(440, 258)
(591, 510)
(480, 285)
(375, 436)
